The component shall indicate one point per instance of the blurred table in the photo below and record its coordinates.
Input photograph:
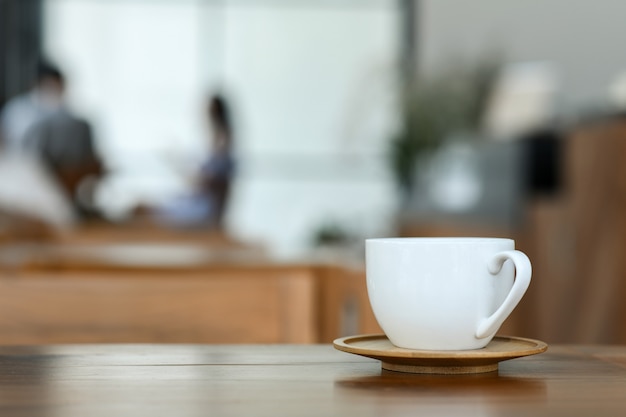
(123, 256)
(288, 380)
(163, 292)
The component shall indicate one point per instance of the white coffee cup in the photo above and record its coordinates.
(444, 293)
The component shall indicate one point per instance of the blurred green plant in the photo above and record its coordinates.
(436, 107)
(330, 233)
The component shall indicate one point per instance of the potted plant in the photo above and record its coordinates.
(434, 108)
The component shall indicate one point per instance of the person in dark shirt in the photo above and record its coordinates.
(65, 146)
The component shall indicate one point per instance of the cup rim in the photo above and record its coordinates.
(438, 240)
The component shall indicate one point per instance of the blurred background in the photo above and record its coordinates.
(220, 141)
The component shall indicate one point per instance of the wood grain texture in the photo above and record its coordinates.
(304, 380)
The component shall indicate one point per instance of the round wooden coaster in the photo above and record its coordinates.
(393, 358)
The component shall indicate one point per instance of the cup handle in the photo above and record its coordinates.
(523, 272)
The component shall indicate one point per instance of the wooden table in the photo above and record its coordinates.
(302, 380)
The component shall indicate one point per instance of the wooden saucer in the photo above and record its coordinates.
(477, 361)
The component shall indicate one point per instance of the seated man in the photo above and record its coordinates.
(65, 146)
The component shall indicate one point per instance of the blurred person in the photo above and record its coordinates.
(207, 203)
(64, 145)
(217, 171)
(32, 201)
(23, 111)
(46, 144)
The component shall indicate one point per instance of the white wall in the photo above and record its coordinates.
(583, 39)
(314, 88)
